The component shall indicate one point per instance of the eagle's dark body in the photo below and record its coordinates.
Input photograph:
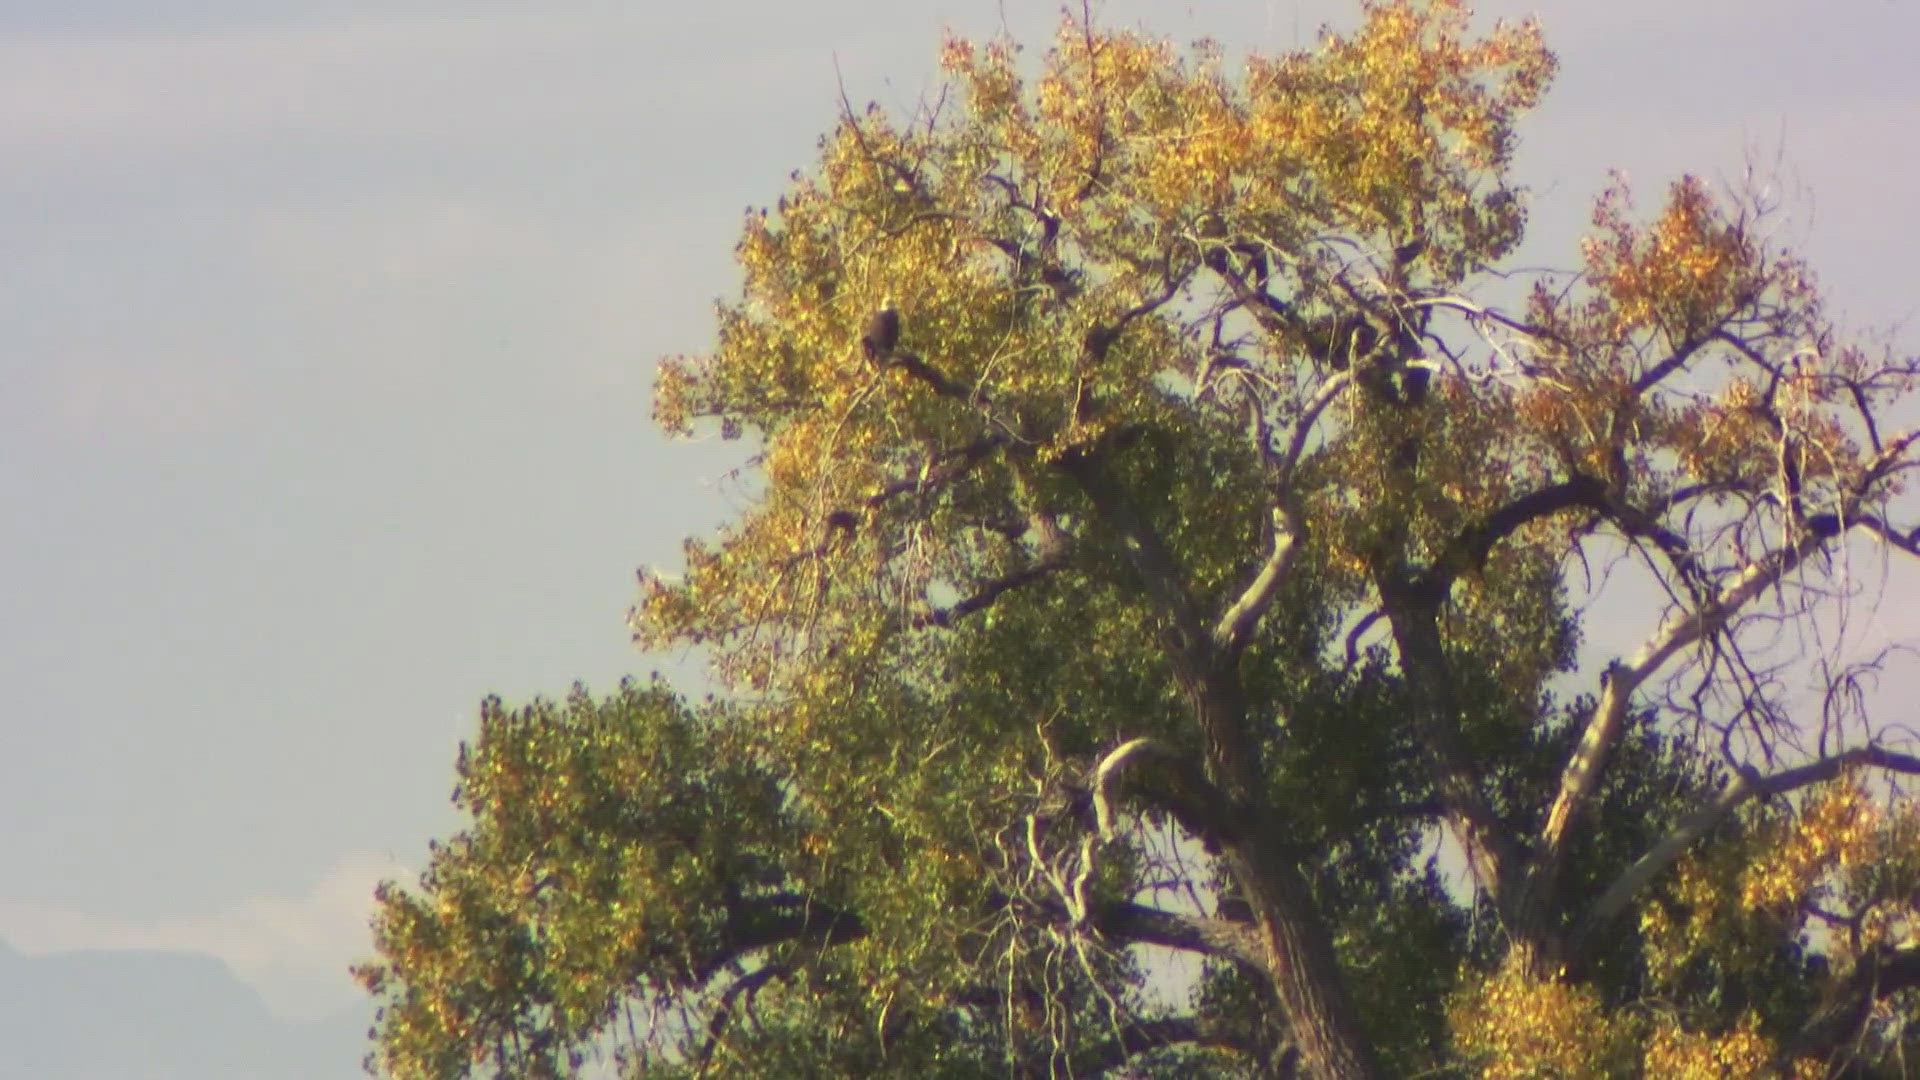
(883, 334)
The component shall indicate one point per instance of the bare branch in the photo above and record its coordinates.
(1479, 312)
(987, 594)
(1673, 362)
(1582, 773)
(1236, 624)
(1309, 415)
(1359, 630)
(1109, 768)
(1742, 788)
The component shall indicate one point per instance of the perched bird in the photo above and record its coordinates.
(883, 333)
(1414, 377)
(1338, 342)
(842, 522)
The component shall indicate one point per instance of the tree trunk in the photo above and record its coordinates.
(1300, 961)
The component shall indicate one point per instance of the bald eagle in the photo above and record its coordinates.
(1414, 377)
(1340, 341)
(883, 333)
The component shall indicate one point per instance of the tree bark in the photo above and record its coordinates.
(1298, 947)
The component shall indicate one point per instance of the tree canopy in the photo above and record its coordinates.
(1154, 647)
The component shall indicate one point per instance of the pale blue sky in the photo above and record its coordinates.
(326, 333)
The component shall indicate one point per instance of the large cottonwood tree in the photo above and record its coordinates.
(1173, 520)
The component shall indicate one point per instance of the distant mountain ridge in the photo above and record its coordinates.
(159, 1016)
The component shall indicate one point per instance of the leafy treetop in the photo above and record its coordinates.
(1187, 551)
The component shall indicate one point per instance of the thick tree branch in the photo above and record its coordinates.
(1835, 1028)
(764, 922)
(1128, 923)
(1207, 677)
(1109, 770)
(1181, 790)
(1473, 546)
(748, 984)
(934, 378)
(1294, 937)
(1235, 628)
(1310, 415)
(1289, 530)
(1224, 939)
(988, 593)
(1273, 315)
(771, 921)
(1413, 613)
(1742, 788)
(1470, 549)
(1908, 542)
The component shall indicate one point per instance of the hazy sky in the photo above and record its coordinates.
(326, 336)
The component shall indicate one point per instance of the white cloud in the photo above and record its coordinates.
(294, 951)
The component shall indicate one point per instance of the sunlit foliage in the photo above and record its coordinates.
(1512, 1025)
(1173, 534)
